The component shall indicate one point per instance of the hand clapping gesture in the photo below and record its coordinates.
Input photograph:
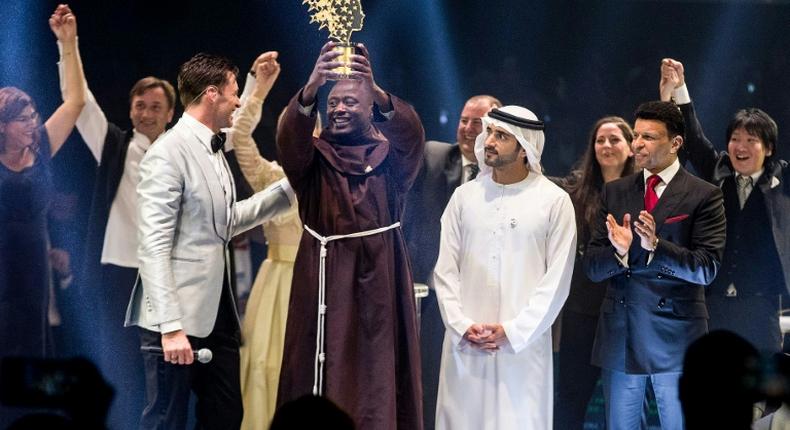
(620, 235)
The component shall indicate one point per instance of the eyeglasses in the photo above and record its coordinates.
(33, 117)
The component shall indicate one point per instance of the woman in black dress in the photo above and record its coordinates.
(26, 147)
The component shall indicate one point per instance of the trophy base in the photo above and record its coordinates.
(346, 51)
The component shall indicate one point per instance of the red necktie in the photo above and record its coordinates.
(651, 198)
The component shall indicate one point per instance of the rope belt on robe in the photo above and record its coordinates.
(320, 355)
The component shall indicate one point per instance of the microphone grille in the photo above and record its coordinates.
(204, 355)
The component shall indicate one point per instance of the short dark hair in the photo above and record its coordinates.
(150, 82)
(666, 112)
(758, 123)
(200, 72)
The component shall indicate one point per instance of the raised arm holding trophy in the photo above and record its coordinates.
(351, 333)
(340, 18)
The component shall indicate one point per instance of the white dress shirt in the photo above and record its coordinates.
(120, 236)
(218, 161)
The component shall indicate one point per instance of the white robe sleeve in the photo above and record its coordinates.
(552, 290)
(91, 123)
(447, 272)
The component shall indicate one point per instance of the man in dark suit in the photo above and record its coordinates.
(754, 275)
(444, 167)
(655, 302)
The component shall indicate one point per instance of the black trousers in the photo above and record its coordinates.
(119, 347)
(216, 384)
(431, 339)
(577, 377)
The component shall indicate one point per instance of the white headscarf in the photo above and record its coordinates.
(531, 140)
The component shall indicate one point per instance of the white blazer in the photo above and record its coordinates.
(184, 230)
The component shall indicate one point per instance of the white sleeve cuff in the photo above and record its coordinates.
(681, 95)
(306, 110)
(170, 326)
(623, 260)
(249, 86)
(516, 342)
(288, 190)
(66, 282)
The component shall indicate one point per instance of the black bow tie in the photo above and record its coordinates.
(217, 141)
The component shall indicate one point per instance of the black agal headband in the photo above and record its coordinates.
(514, 120)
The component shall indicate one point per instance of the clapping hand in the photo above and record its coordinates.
(646, 229)
(620, 235)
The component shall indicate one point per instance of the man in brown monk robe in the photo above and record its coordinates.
(351, 333)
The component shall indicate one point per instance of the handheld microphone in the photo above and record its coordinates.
(202, 355)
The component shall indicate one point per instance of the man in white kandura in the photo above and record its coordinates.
(504, 270)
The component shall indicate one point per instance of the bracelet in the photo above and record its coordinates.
(654, 244)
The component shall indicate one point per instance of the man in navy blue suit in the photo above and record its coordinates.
(658, 266)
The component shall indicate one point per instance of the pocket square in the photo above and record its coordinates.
(674, 219)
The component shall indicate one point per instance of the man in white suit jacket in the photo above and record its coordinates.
(187, 216)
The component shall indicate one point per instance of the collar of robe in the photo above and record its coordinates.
(359, 156)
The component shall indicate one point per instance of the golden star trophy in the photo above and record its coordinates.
(341, 18)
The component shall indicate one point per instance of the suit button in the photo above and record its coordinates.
(661, 303)
(622, 301)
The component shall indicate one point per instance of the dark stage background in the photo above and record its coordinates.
(570, 62)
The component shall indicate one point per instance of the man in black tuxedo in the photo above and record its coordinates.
(754, 181)
(655, 302)
(444, 167)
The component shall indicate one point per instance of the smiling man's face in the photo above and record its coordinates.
(349, 108)
(747, 152)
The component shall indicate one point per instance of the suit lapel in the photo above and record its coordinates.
(233, 193)
(453, 169)
(200, 155)
(634, 205)
(673, 194)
